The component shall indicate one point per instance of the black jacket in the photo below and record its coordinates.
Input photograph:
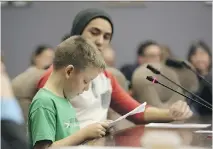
(205, 92)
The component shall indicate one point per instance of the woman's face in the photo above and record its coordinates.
(201, 60)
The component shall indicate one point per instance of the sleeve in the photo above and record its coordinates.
(122, 102)
(42, 125)
(44, 78)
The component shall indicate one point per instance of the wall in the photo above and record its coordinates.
(173, 23)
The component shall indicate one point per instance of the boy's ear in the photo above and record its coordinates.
(69, 71)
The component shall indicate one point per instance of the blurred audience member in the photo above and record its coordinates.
(148, 51)
(200, 57)
(109, 56)
(42, 57)
(25, 90)
(166, 52)
(12, 134)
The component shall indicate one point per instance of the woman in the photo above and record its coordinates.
(200, 57)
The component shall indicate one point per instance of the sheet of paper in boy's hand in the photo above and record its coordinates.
(139, 109)
(170, 125)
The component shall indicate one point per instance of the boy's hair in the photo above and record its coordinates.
(79, 52)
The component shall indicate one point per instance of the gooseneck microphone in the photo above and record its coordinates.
(154, 70)
(154, 80)
(174, 63)
(201, 77)
(181, 64)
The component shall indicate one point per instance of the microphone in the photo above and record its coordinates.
(181, 64)
(154, 80)
(154, 70)
(201, 77)
(174, 63)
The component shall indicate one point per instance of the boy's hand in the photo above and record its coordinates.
(110, 130)
(96, 130)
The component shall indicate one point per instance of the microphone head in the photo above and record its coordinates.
(154, 70)
(174, 63)
(151, 79)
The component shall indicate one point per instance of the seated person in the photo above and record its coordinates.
(42, 57)
(166, 52)
(148, 51)
(200, 56)
(109, 56)
(52, 118)
(24, 90)
(155, 94)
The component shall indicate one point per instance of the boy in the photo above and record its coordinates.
(52, 119)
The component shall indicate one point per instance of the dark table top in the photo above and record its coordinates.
(132, 136)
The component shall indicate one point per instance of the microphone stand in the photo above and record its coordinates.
(201, 77)
(150, 78)
(159, 73)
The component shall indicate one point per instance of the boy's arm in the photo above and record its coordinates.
(75, 139)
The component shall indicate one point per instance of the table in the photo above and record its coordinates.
(132, 136)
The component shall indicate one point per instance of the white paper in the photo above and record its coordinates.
(204, 131)
(170, 125)
(139, 109)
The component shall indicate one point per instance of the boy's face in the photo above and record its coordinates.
(78, 81)
(99, 31)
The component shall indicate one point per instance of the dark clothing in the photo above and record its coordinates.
(128, 70)
(205, 92)
(84, 17)
(13, 136)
